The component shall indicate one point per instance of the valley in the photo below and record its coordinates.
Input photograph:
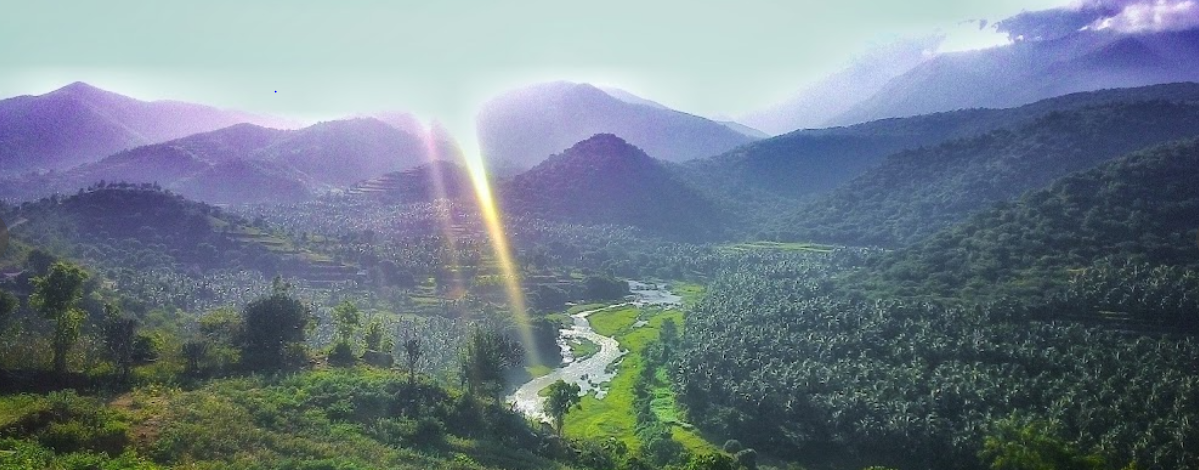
(562, 237)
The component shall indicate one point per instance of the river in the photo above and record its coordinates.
(593, 373)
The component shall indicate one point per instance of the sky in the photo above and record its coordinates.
(440, 59)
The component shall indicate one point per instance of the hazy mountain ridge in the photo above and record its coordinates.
(813, 106)
(1027, 71)
(523, 126)
(245, 163)
(807, 163)
(80, 123)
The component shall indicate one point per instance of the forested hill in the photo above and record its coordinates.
(1142, 208)
(148, 232)
(136, 226)
(605, 180)
(915, 193)
(809, 162)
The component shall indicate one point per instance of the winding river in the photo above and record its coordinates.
(593, 373)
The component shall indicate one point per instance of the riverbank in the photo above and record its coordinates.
(635, 329)
(609, 376)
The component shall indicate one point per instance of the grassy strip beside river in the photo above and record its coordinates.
(614, 416)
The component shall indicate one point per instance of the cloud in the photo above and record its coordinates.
(1123, 16)
(971, 35)
(1151, 16)
(1056, 22)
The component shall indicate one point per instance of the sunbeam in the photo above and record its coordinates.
(490, 211)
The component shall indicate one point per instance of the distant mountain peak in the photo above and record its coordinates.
(75, 87)
(602, 140)
(522, 126)
(83, 90)
(606, 180)
(606, 147)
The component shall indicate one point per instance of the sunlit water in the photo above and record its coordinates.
(593, 373)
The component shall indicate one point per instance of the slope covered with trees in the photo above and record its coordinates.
(778, 357)
(917, 192)
(1138, 209)
(605, 180)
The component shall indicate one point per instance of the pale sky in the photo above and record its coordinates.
(441, 58)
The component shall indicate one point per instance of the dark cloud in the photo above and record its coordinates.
(1126, 16)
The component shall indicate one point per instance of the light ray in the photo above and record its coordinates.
(446, 220)
(490, 211)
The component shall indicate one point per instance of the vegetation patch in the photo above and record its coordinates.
(781, 246)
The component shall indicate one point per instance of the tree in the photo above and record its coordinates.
(120, 338)
(195, 351)
(1016, 445)
(561, 397)
(55, 296)
(347, 319)
(39, 262)
(709, 462)
(412, 353)
(274, 329)
(378, 345)
(604, 288)
(373, 339)
(8, 304)
(484, 359)
(747, 458)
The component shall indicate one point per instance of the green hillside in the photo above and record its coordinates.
(915, 193)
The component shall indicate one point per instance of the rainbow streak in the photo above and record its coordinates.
(503, 254)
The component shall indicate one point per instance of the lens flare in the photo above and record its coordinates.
(490, 212)
(446, 219)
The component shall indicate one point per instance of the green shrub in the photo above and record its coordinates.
(342, 355)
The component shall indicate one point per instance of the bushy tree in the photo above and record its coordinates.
(120, 339)
(347, 319)
(275, 327)
(1016, 445)
(561, 398)
(707, 462)
(412, 355)
(484, 359)
(39, 262)
(8, 304)
(604, 288)
(55, 297)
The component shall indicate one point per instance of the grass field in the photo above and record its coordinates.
(583, 308)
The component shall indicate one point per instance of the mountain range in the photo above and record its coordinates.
(807, 163)
(521, 127)
(245, 163)
(904, 84)
(80, 123)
